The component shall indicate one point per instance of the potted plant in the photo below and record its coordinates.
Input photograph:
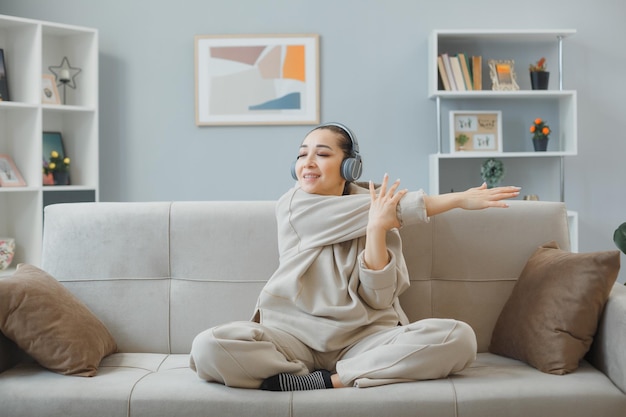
(59, 168)
(462, 140)
(539, 77)
(541, 132)
(492, 172)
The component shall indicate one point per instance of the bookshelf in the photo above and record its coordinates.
(538, 173)
(30, 47)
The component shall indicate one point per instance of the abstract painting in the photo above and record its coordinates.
(257, 79)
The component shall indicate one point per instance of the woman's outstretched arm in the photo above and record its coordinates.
(476, 198)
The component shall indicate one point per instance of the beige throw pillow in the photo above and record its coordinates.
(53, 326)
(551, 317)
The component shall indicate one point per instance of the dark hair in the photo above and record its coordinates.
(345, 143)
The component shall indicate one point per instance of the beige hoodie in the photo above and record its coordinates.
(322, 293)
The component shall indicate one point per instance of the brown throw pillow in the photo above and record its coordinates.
(551, 317)
(53, 326)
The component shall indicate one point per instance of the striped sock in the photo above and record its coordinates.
(289, 382)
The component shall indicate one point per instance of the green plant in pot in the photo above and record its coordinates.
(619, 237)
(492, 172)
(461, 140)
(59, 167)
(539, 76)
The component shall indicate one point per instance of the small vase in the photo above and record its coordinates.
(539, 80)
(61, 178)
(540, 144)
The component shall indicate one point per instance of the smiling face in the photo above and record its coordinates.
(318, 167)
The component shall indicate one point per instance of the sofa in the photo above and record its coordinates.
(156, 274)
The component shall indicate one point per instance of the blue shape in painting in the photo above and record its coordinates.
(290, 101)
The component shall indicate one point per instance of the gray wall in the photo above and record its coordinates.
(373, 78)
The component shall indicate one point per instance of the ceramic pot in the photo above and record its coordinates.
(540, 144)
(7, 251)
(539, 80)
(61, 178)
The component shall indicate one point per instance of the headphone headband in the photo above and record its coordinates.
(352, 136)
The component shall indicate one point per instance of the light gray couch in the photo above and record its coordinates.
(159, 273)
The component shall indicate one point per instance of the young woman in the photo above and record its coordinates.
(329, 316)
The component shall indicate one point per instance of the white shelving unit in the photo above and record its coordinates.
(30, 47)
(539, 173)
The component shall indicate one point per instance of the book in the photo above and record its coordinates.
(446, 64)
(465, 67)
(458, 73)
(477, 72)
(442, 73)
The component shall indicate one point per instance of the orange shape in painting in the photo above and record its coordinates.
(293, 67)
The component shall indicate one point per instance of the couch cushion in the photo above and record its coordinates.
(552, 314)
(497, 386)
(48, 322)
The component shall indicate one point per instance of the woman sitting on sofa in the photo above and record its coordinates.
(329, 316)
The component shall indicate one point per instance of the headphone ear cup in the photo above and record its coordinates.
(293, 171)
(351, 168)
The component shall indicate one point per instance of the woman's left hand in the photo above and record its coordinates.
(382, 212)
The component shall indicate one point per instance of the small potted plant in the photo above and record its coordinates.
(541, 132)
(59, 168)
(461, 140)
(539, 77)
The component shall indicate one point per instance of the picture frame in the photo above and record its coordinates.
(4, 82)
(49, 90)
(257, 79)
(502, 73)
(10, 176)
(481, 131)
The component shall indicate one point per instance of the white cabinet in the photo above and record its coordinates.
(30, 47)
(538, 173)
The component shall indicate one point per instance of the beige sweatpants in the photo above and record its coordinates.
(243, 354)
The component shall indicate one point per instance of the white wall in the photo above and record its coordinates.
(373, 77)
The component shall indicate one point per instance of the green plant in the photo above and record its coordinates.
(619, 237)
(539, 66)
(540, 129)
(56, 164)
(492, 172)
(462, 139)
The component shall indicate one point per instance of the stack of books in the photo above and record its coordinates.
(460, 72)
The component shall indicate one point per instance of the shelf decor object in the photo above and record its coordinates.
(49, 91)
(619, 237)
(541, 134)
(492, 172)
(4, 83)
(9, 174)
(55, 160)
(476, 131)
(7, 251)
(539, 77)
(257, 79)
(502, 73)
(65, 75)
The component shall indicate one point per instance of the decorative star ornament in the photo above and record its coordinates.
(65, 73)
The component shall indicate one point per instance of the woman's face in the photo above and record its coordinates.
(318, 167)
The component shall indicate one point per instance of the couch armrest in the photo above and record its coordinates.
(9, 353)
(608, 352)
